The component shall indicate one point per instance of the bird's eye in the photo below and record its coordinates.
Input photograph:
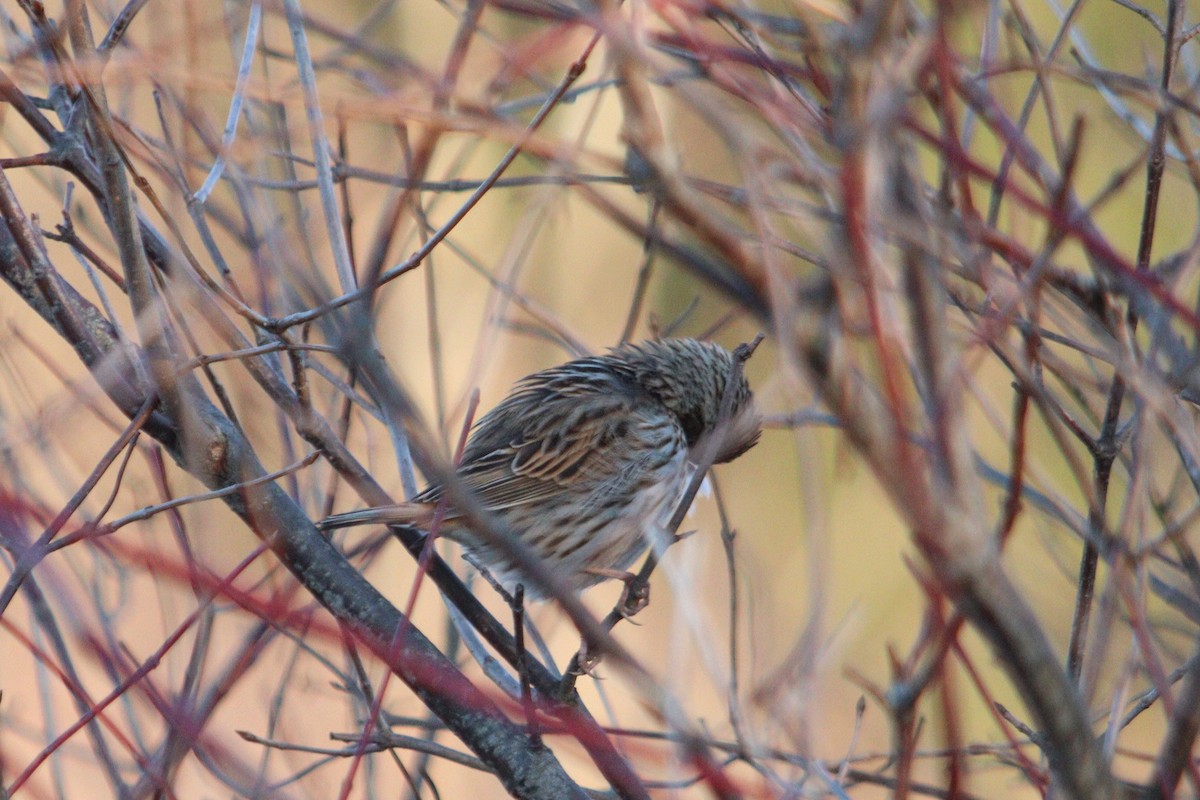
(693, 426)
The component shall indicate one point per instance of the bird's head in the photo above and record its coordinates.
(689, 378)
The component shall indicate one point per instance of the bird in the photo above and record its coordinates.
(586, 461)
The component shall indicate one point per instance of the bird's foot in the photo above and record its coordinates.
(587, 660)
(636, 594)
(635, 597)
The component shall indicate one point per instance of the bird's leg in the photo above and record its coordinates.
(636, 594)
(582, 663)
(634, 597)
(566, 687)
(584, 660)
(518, 609)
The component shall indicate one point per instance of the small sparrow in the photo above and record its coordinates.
(586, 461)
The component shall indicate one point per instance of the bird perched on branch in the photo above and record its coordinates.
(585, 462)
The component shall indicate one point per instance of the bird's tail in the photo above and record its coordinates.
(402, 514)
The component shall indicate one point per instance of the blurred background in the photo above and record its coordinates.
(709, 206)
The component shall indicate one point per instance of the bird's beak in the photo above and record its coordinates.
(734, 437)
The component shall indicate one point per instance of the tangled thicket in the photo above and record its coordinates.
(968, 232)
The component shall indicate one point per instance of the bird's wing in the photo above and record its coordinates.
(582, 446)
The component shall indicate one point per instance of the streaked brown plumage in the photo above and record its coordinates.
(586, 461)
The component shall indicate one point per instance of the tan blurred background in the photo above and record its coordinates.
(823, 589)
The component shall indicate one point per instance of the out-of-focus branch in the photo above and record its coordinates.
(963, 560)
(218, 455)
(1176, 753)
(934, 486)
